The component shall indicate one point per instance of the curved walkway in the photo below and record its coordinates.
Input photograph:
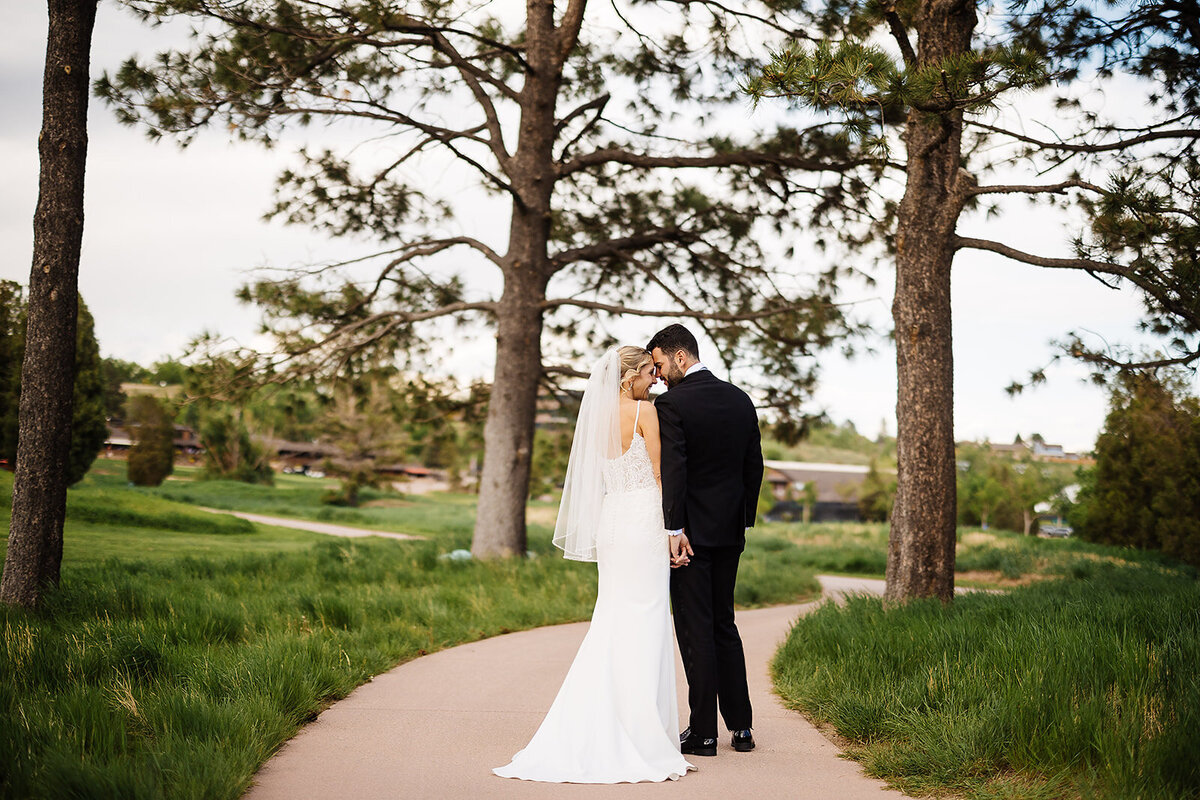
(327, 528)
(434, 727)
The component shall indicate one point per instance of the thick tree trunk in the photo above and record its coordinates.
(47, 374)
(922, 540)
(508, 432)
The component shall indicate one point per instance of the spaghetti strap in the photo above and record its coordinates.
(637, 410)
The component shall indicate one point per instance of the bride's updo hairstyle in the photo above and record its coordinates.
(632, 360)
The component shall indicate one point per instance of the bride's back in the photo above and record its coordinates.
(630, 420)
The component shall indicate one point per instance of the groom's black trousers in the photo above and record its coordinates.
(709, 644)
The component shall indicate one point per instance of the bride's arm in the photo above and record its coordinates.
(648, 424)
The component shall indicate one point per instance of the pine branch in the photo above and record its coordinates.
(1139, 278)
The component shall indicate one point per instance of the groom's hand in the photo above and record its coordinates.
(681, 550)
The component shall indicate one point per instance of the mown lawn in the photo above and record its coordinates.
(182, 648)
(1082, 687)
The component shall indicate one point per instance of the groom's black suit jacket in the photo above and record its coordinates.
(712, 465)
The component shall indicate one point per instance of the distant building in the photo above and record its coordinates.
(120, 439)
(837, 487)
(1040, 450)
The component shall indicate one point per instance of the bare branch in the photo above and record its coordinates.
(1057, 188)
(722, 9)
(470, 74)
(1086, 264)
(597, 105)
(568, 29)
(747, 158)
(1185, 359)
(1070, 147)
(393, 319)
(687, 313)
(562, 369)
(622, 246)
(896, 26)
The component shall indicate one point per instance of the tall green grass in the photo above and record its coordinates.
(177, 679)
(1070, 688)
(176, 668)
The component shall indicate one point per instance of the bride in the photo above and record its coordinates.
(615, 718)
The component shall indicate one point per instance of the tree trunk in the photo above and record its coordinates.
(922, 539)
(48, 371)
(1028, 520)
(508, 432)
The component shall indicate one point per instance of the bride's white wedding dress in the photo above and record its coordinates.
(615, 718)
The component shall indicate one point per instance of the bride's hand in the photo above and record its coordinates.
(681, 549)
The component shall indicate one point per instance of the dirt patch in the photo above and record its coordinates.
(979, 537)
(387, 502)
(996, 578)
(541, 516)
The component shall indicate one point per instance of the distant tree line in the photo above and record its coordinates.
(999, 491)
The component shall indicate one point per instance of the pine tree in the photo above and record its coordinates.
(611, 140)
(152, 456)
(89, 426)
(1144, 490)
(924, 107)
(40, 486)
(88, 413)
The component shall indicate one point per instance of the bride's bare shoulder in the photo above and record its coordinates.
(649, 415)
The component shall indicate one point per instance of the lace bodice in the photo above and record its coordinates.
(631, 471)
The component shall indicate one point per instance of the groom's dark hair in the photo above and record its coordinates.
(675, 337)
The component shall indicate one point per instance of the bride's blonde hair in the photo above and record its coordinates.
(632, 360)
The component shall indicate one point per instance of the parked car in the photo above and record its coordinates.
(785, 511)
(1056, 531)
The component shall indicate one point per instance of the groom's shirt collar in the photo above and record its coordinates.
(697, 367)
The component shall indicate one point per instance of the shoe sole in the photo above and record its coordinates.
(744, 748)
(700, 751)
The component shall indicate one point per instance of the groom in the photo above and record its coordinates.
(712, 468)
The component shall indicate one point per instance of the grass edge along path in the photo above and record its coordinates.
(1068, 688)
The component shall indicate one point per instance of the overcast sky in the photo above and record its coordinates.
(170, 234)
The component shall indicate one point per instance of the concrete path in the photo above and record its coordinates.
(434, 727)
(309, 525)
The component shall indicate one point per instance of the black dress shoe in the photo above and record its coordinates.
(743, 741)
(691, 745)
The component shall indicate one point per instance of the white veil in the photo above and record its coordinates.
(597, 439)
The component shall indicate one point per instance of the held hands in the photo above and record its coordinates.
(681, 550)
